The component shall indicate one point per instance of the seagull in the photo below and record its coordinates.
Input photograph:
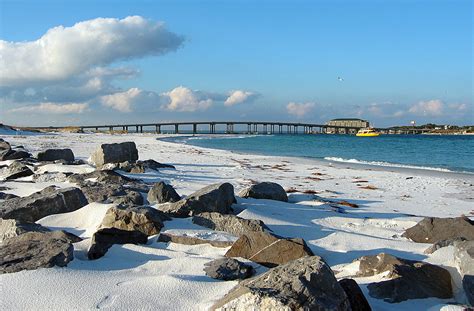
(340, 79)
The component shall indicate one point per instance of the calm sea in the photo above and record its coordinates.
(444, 153)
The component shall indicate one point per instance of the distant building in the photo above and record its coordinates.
(349, 123)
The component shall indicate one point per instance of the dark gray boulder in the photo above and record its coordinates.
(355, 295)
(56, 154)
(162, 193)
(104, 238)
(228, 223)
(268, 249)
(7, 196)
(110, 193)
(17, 170)
(265, 190)
(464, 260)
(442, 243)
(142, 166)
(10, 228)
(432, 230)
(33, 250)
(304, 284)
(43, 203)
(140, 218)
(214, 198)
(14, 154)
(408, 279)
(228, 269)
(115, 153)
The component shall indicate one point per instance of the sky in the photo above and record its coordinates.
(109, 62)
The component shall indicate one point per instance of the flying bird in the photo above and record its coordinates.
(340, 79)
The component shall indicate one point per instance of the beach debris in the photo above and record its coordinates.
(228, 269)
(213, 198)
(16, 170)
(291, 190)
(33, 250)
(406, 279)
(267, 249)
(442, 243)
(368, 187)
(43, 203)
(145, 219)
(303, 284)
(186, 239)
(355, 295)
(56, 154)
(104, 238)
(464, 260)
(162, 193)
(432, 229)
(345, 203)
(410, 177)
(229, 223)
(265, 190)
(114, 153)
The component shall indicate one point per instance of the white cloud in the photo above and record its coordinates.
(184, 99)
(432, 108)
(63, 52)
(54, 108)
(239, 96)
(299, 109)
(121, 101)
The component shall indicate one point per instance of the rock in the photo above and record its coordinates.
(228, 223)
(228, 269)
(16, 170)
(464, 259)
(115, 153)
(355, 295)
(442, 243)
(33, 250)
(265, 190)
(152, 164)
(162, 193)
(10, 228)
(191, 240)
(110, 193)
(432, 230)
(267, 249)
(408, 279)
(43, 203)
(214, 198)
(140, 218)
(7, 196)
(130, 198)
(14, 154)
(104, 238)
(4, 145)
(303, 284)
(56, 154)
(51, 177)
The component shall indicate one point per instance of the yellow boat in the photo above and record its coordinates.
(367, 133)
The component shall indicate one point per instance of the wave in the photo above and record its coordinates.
(387, 164)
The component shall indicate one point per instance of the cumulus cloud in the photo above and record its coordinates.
(239, 96)
(121, 101)
(430, 108)
(299, 109)
(186, 100)
(63, 52)
(69, 108)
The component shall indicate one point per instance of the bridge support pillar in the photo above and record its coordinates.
(176, 129)
(157, 129)
(195, 128)
(111, 129)
(141, 129)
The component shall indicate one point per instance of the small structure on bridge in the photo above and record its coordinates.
(347, 126)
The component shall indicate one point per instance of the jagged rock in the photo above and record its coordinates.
(162, 193)
(10, 228)
(14, 154)
(442, 243)
(432, 230)
(303, 284)
(110, 193)
(51, 177)
(464, 259)
(108, 177)
(7, 196)
(407, 279)
(33, 250)
(355, 295)
(16, 170)
(228, 269)
(142, 166)
(265, 190)
(191, 240)
(56, 154)
(214, 198)
(140, 218)
(267, 249)
(115, 153)
(104, 238)
(4, 145)
(43, 203)
(228, 223)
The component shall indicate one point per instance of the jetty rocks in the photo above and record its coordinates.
(104, 238)
(17, 170)
(228, 223)
(10, 228)
(115, 153)
(56, 154)
(162, 193)
(213, 198)
(265, 190)
(228, 269)
(43, 203)
(304, 284)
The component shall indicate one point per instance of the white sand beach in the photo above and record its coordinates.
(169, 276)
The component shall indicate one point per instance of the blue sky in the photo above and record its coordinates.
(278, 60)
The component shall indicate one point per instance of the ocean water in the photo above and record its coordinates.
(440, 152)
